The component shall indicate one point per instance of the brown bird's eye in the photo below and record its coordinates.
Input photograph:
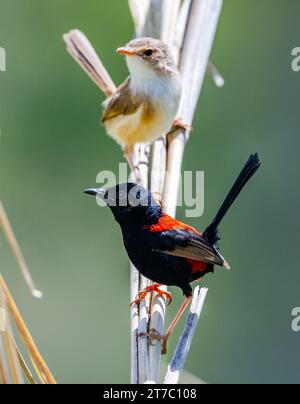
(148, 52)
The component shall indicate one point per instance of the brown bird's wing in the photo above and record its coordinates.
(195, 247)
(121, 103)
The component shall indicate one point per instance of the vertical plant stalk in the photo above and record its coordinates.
(147, 21)
(139, 10)
(183, 347)
(170, 27)
(139, 313)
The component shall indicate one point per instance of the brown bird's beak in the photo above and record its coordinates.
(126, 51)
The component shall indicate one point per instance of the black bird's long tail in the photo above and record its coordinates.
(250, 168)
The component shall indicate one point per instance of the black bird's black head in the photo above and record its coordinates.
(131, 204)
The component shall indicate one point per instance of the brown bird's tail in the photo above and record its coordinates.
(85, 55)
(250, 168)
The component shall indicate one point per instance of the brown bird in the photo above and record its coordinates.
(144, 107)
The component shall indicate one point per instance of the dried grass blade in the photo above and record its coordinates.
(17, 252)
(25, 335)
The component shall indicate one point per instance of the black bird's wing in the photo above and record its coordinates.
(172, 237)
(194, 247)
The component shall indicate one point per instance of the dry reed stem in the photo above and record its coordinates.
(40, 374)
(12, 359)
(9, 354)
(152, 28)
(37, 359)
(3, 379)
(134, 317)
(139, 314)
(215, 75)
(4, 376)
(82, 51)
(139, 10)
(24, 366)
(146, 24)
(178, 361)
(4, 370)
(17, 252)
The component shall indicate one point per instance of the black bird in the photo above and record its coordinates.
(163, 249)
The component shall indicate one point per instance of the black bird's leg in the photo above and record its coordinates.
(178, 316)
(153, 335)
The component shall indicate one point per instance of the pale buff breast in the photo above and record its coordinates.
(143, 126)
(155, 117)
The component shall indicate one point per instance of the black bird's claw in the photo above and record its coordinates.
(154, 335)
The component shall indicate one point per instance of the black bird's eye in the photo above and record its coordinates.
(148, 52)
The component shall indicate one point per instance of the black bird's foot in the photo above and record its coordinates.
(153, 288)
(154, 335)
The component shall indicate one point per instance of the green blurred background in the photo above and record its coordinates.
(52, 147)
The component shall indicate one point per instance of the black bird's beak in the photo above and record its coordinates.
(95, 192)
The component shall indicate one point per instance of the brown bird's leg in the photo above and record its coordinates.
(128, 154)
(149, 289)
(180, 124)
(178, 316)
